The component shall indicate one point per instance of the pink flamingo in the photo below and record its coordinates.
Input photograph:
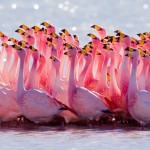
(35, 105)
(138, 100)
(10, 109)
(115, 93)
(27, 29)
(80, 98)
(58, 92)
(76, 41)
(13, 40)
(90, 81)
(37, 35)
(68, 36)
(21, 32)
(101, 31)
(50, 29)
(102, 86)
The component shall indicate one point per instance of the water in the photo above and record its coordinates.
(72, 138)
(77, 16)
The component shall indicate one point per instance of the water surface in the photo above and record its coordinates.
(73, 138)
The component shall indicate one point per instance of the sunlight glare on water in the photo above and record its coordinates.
(82, 14)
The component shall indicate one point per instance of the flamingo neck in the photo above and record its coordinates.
(13, 70)
(71, 86)
(82, 74)
(133, 81)
(124, 77)
(39, 70)
(113, 83)
(89, 72)
(27, 64)
(2, 58)
(31, 81)
(20, 84)
(103, 74)
(57, 79)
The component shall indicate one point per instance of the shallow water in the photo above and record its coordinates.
(73, 138)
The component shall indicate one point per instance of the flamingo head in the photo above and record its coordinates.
(36, 29)
(13, 40)
(23, 44)
(72, 50)
(20, 51)
(142, 36)
(56, 61)
(66, 32)
(23, 26)
(21, 32)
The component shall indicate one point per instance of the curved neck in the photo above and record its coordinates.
(82, 74)
(89, 72)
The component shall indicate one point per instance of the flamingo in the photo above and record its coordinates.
(10, 109)
(27, 29)
(61, 94)
(101, 31)
(138, 100)
(49, 27)
(35, 105)
(86, 104)
(58, 92)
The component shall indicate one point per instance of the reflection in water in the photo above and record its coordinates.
(74, 138)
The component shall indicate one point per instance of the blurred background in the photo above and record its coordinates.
(76, 15)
